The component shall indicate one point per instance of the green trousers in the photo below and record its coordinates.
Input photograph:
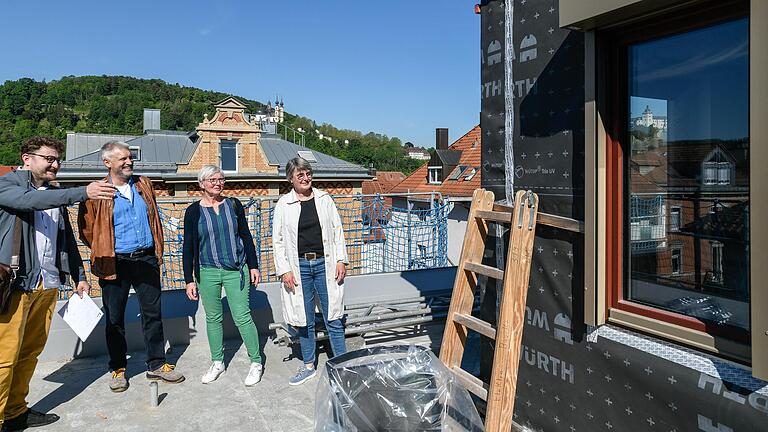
(212, 280)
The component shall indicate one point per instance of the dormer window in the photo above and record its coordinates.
(435, 174)
(716, 170)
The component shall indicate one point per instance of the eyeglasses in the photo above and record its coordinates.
(216, 181)
(49, 159)
(303, 175)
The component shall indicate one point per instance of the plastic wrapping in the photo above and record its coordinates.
(396, 388)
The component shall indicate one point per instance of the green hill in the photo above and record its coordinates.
(115, 104)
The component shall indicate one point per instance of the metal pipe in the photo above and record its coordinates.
(400, 301)
(153, 394)
(387, 316)
(390, 309)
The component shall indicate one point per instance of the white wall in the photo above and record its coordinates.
(457, 226)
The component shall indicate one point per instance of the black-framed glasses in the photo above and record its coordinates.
(49, 159)
(216, 181)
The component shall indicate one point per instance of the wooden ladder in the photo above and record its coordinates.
(500, 393)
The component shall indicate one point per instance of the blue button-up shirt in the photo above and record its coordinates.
(131, 222)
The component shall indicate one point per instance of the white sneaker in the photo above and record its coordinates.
(254, 374)
(216, 369)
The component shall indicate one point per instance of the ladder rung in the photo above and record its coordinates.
(471, 383)
(496, 216)
(484, 270)
(475, 324)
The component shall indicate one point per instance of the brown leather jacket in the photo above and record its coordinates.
(97, 231)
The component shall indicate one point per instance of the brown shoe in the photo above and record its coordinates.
(166, 373)
(119, 383)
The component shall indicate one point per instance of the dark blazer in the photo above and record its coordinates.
(191, 247)
(19, 197)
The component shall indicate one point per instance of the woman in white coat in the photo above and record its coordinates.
(310, 258)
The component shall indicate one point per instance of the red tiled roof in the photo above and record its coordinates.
(383, 182)
(470, 147)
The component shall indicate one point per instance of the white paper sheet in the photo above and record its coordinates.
(81, 314)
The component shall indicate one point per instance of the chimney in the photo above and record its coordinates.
(151, 119)
(441, 138)
(371, 169)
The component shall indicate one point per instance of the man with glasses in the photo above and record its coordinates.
(126, 240)
(48, 253)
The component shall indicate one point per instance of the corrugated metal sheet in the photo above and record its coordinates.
(80, 144)
(164, 146)
(280, 151)
(161, 150)
(157, 147)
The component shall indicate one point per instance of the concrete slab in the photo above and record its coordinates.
(77, 390)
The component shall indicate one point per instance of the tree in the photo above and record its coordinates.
(115, 104)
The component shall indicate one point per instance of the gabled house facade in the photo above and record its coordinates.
(244, 145)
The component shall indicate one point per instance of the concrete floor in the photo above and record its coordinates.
(78, 391)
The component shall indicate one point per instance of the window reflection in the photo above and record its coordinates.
(688, 174)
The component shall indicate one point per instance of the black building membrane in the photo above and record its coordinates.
(574, 378)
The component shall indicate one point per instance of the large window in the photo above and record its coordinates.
(681, 147)
(228, 155)
(675, 122)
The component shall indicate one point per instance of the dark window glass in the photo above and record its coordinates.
(135, 153)
(689, 157)
(229, 155)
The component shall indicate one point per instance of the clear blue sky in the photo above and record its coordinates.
(397, 67)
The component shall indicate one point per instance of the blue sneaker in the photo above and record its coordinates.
(303, 375)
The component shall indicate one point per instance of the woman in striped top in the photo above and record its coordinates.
(218, 247)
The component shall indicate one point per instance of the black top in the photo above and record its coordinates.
(310, 233)
(191, 246)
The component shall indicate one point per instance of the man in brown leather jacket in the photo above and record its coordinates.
(126, 240)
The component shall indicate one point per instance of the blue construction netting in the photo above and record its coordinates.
(380, 237)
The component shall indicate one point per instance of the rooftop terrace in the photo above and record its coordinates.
(77, 390)
(71, 379)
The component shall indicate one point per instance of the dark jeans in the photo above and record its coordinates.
(313, 282)
(143, 274)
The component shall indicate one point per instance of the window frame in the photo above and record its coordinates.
(604, 218)
(471, 174)
(137, 149)
(676, 252)
(619, 158)
(675, 218)
(438, 170)
(716, 248)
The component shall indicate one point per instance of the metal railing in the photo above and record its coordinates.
(383, 233)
